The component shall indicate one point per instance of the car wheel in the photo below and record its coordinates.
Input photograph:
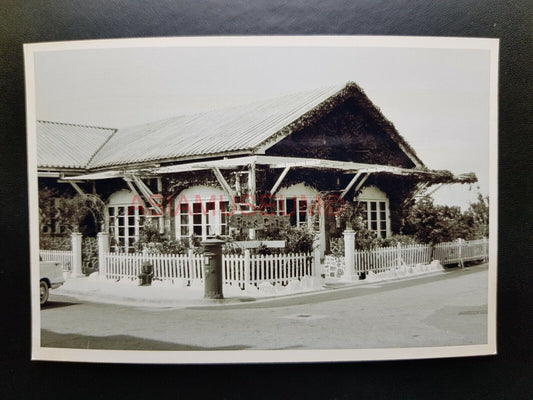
(43, 291)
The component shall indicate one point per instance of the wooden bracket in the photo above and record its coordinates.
(280, 179)
(225, 186)
(352, 182)
(77, 188)
(361, 182)
(132, 188)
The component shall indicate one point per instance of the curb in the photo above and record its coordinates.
(212, 303)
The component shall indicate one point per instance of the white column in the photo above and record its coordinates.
(252, 192)
(75, 238)
(349, 243)
(103, 249)
(322, 228)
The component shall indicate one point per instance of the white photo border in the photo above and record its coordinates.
(260, 356)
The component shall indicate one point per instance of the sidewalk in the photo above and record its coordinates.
(177, 295)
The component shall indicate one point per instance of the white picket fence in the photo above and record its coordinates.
(237, 270)
(65, 257)
(461, 251)
(166, 266)
(384, 258)
(279, 269)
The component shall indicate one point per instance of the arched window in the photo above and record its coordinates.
(203, 211)
(125, 218)
(376, 214)
(298, 202)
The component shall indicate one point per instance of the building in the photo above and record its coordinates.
(290, 156)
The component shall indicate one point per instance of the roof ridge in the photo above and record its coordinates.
(340, 85)
(72, 124)
(100, 148)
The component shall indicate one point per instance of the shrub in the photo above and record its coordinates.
(297, 239)
(47, 242)
(156, 242)
(397, 239)
(163, 247)
(430, 223)
(230, 248)
(477, 218)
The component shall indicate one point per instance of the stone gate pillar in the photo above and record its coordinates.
(103, 249)
(349, 248)
(75, 239)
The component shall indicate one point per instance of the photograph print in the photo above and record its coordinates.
(262, 199)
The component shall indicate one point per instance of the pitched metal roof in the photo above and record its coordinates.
(242, 130)
(235, 130)
(62, 145)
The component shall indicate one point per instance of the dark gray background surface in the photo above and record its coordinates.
(508, 375)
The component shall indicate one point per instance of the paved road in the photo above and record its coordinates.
(438, 310)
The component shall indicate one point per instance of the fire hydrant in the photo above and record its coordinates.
(147, 274)
(213, 268)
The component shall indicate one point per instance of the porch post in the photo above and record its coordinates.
(75, 239)
(322, 228)
(103, 249)
(252, 192)
(349, 244)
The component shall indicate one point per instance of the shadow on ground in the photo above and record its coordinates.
(57, 304)
(118, 342)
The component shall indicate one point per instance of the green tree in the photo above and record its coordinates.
(430, 223)
(70, 213)
(477, 218)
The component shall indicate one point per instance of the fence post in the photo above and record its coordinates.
(246, 268)
(75, 239)
(349, 248)
(191, 273)
(461, 264)
(316, 264)
(398, 255)
(103, 249)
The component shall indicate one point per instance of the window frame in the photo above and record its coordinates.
(122, 242)
(372, 195)
(219, 222)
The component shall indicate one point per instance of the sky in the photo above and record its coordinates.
(438, 99)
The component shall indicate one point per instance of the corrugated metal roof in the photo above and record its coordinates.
(242, 130)
(227, 131)
(68, 146)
